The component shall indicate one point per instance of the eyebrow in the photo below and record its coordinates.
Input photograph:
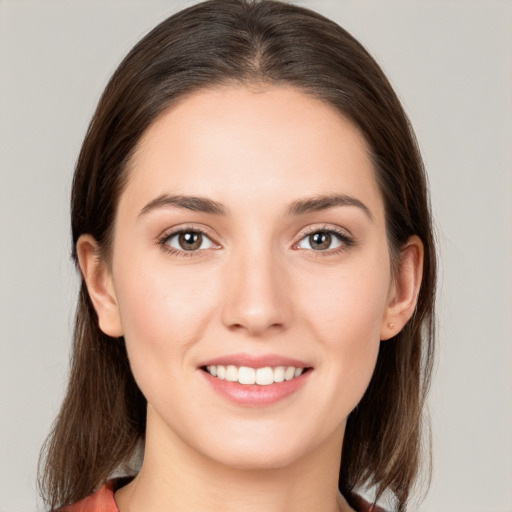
(323, 202)
(194, 203)
(298, 207)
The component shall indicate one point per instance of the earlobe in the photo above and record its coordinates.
(100, 286)
(404, 290)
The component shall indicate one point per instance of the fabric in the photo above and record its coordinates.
(103, 501)
(100, 501)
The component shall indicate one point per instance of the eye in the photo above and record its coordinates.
(189, 240)
(323, 240)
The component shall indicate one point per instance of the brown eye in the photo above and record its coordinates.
(323, 240)
(320, 241)
(188, 241)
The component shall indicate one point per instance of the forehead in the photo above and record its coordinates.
(241, 145)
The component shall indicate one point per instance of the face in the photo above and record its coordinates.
(250, 244)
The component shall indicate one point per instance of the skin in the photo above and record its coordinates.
(259, 287)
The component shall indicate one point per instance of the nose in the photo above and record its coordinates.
(257, 300)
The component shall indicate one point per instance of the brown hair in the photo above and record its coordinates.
(217, 42)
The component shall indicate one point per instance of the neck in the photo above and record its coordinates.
(175, 477)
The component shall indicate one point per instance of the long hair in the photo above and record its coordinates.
(246, 42)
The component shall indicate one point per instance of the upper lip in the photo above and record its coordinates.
(253, 361)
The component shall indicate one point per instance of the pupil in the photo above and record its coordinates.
(320, 240)
(190, 241)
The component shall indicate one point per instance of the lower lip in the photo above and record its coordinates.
(253, 394)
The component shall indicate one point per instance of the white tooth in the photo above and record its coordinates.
(213, 370)
(232, 373)
(221, 371)
(298, 372)
(279, 374)
(289, 373)
(246, 375)
(264, 376)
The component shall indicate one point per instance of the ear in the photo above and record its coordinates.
(404, 289)
(100, 285)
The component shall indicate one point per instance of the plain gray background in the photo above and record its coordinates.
(451, 63)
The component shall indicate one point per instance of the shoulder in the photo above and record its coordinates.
(101, 501)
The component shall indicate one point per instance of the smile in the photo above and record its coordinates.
(250, 376)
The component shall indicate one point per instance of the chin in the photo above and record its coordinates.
(259, 452)
(254, 459)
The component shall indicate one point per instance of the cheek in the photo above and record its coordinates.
(346, 317)
(350, 305)
(164, 311)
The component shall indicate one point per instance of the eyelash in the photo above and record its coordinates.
(346, 241)
(164, 239)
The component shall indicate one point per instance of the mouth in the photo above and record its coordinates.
(249, 376)
(256, 380)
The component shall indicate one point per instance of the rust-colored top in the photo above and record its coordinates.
(100, 501)
(103, 501)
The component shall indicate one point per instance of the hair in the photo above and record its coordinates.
(245, 42)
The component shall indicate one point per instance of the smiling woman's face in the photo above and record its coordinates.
(250, 234)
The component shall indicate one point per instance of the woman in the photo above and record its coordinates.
(251, 222)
